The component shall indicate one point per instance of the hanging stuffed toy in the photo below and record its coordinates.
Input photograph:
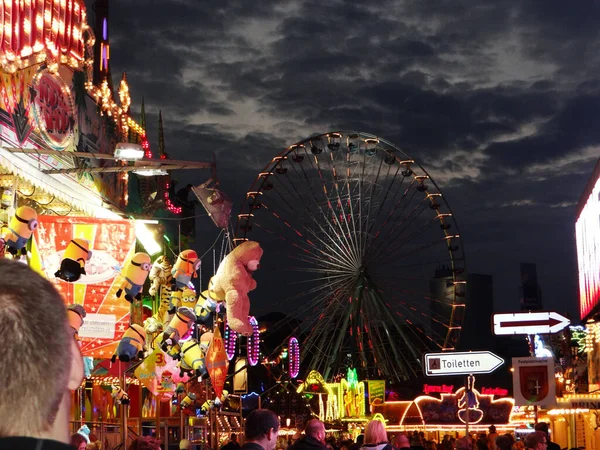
(119, 395)
(185, 267)
(132, 345)
(75, 313)
(189, 299)
(180, 324)
(189, 399)
(192, 359)
(20, 229)
(233, 281)
(135, 273)
(160, 274)
(75, 256)
(175, 300)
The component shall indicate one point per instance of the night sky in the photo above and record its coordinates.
(499, 101)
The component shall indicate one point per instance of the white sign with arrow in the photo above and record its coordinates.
(461, 363)
(539, 322)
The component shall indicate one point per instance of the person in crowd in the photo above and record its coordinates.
(491, 437)
(41, 362)
(261, 430)
(145, 443)
(416, 442)
(464, 443)
(78, 441)
(360, 440)
(482, 443)
(232, 444)
(376, 437)
(505, 442)
(543, 427)
(313, 438)
(185, 444)
(536, 441)
(401, 441)
(430, 445)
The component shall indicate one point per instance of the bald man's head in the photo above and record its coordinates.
(315, 429)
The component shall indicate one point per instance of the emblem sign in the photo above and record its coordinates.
(53, 110)
(533, 381)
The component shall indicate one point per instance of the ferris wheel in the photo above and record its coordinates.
(361, 246)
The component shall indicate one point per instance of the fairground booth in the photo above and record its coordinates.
(80, 190)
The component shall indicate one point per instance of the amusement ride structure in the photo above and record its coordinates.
(354, 231)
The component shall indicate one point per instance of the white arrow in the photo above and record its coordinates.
(461, 363)
(539, 322)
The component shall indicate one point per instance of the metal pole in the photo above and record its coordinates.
(122, 376)
(467, 389)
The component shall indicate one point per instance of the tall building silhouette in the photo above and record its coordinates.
(531, 293)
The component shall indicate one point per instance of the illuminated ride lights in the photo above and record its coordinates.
(230, 340)
(294, 357)
(253, 342)
(34, 31)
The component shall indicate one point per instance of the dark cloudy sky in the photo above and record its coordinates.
(498, 100)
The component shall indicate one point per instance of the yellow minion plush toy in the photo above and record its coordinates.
(192, 359)
(175, 300)
(75, 256)
(20, 229)
(180, 324)
(188, 400)
(120, 395)
(132, 344)
(135, 273)
(188, 298)
(185, 267)
(75, 313)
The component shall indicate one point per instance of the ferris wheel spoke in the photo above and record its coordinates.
(310, 248)
(368, 224)
(342, 232)
(382, 310)
(333, 224)
(382, 243)
(332, 240)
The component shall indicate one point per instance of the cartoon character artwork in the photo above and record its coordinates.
(20, 229)
(75, 256)
(132, 345)
(76, 313)
(135, 274)
(160, 274)
(233, 281)
(185, 268)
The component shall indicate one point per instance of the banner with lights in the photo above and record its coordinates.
(111, 243)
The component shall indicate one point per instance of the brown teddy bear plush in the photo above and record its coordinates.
(233, 281)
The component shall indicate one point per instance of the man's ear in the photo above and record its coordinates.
(76, 374)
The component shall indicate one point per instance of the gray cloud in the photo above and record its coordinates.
(499, 100)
